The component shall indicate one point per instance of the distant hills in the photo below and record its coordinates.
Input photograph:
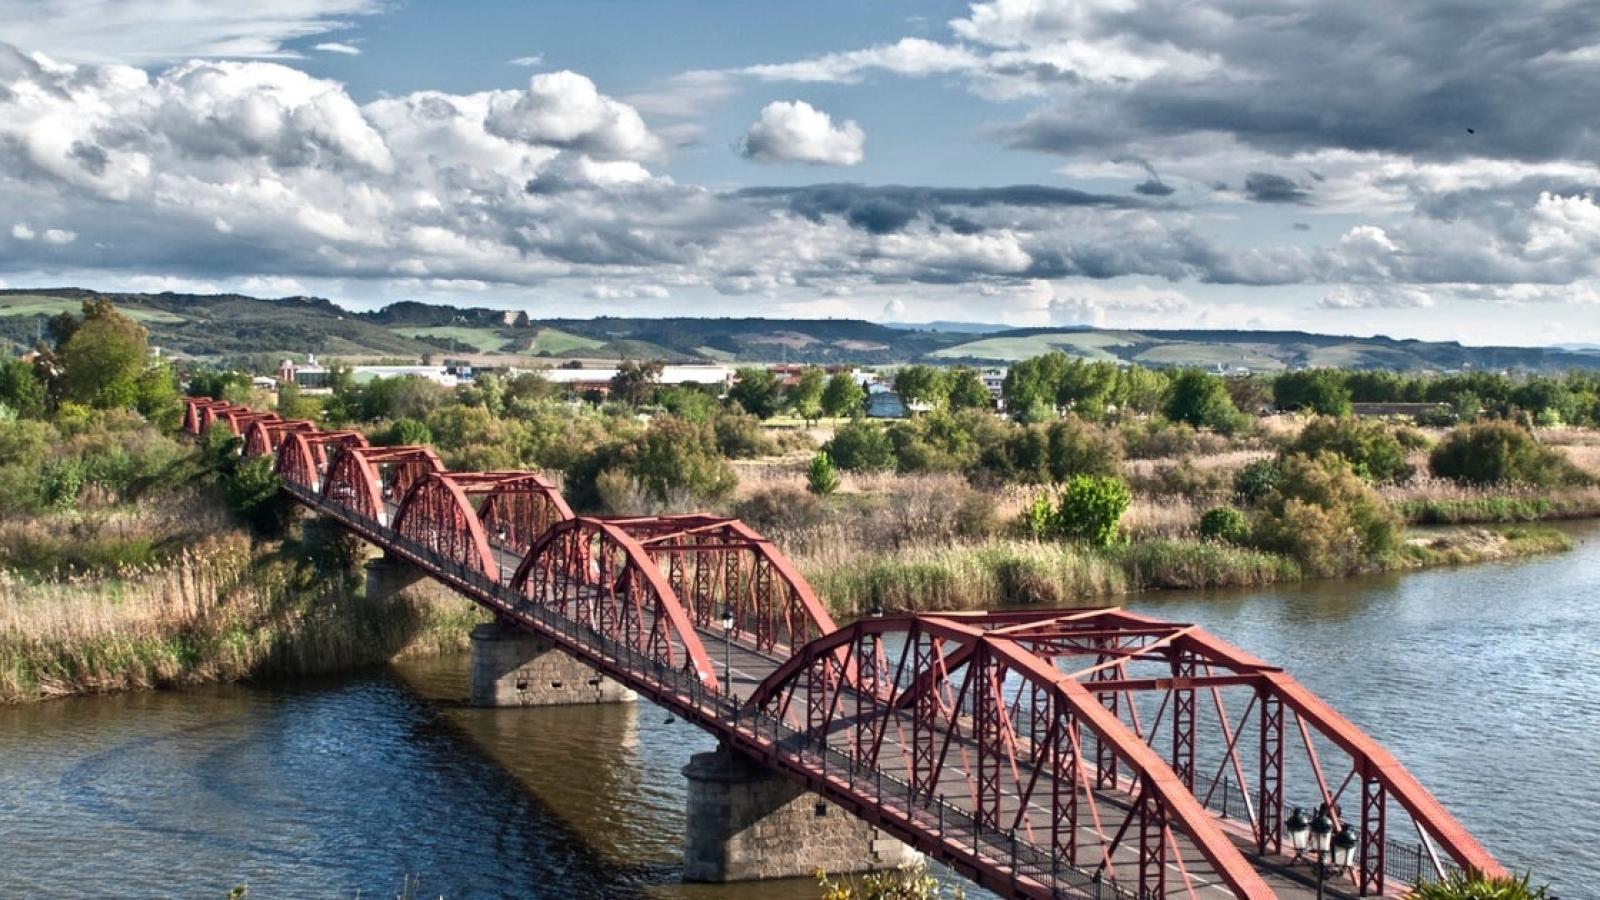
(236, 326)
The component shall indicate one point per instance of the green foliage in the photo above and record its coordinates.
(1202, 401)
(1256, 481)
(635, 381)
(821, 479)
(1368, 445)
(843, 396)
(757, 391)
(1324, 516)
(925, 385)
(861, 446)
(218, 384)
(1077, 447)
(252, 491)
(293, 404)
(672, 463)
(1473, 886)
(689, 402)
(1499, 452)
(1321, 391)
(740, 436)
(103, 358)
(21, 391)
(966, 389)
(1088, 508)
(1225, 524)
(406, 432)
(907, 883)
(805, 397)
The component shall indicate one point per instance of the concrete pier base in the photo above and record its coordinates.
(395, 579)
(746, 823)
(513, 668)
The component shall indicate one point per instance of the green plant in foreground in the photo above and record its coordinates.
(1472, 886)
(1088, 508)
(1225, 524)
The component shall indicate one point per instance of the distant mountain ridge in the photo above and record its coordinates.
(235, 325)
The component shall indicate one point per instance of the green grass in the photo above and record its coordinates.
(1497, 510)
(1087, 344)
(39, 305)
(1195, 354)
(484, 340)
(555, 342)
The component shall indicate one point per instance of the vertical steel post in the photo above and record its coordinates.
(1269, 805)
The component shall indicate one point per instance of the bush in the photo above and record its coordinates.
(1471, 886)
(1257, 481)
(251, 490)
(740, 436)
(821, 479)
(1225, 524)
(406, 432)
(780, 509)
(1374, 451)
(1078, 448)
(1326, 518)
(1089, 509)
(861, 446)
(1499, 452)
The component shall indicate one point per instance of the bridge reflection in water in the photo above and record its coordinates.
(1067, 753)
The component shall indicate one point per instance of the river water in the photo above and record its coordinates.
(1482, 680)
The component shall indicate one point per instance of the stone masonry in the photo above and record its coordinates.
(389, 578)
(746, 823)
(513, 668)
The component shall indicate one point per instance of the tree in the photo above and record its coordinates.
(921, 385)
(821, 479)
(635, 381)
(1225, 524)
(675, 460)
(1085, 387)
(1371, 448)
(1321, 391)
(1324, 516)
(967, 390)
(844, 395)
(20, 389)
(1077, 447)
(756, 389)
(1500, 452)
(1140, 390)
(688, 401)
(861, 446)
(1202, 401)
(155, 394)
(103, 358)
(1031, 386)
(805, 397)
(294, 404)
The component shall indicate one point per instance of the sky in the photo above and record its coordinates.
(1425, 169)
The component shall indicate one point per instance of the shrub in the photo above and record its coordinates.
(406, 432)
(860, 446)
(1257, 481)
(1472, 886)
(675, 458)
(821, 479)
(1326, 518)
(1088, 508)
(1374, 451)
(1498, 452)
(1225, 524)
(1077, 447)
(780, 509)
(251, 490)
(740, 436)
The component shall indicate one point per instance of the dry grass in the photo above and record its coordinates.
(217, 611)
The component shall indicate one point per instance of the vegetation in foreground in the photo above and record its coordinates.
(1470, 886)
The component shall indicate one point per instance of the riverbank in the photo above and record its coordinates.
(1005, 572)
(224, 608)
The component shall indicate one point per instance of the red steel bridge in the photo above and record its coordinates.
(1060, 753)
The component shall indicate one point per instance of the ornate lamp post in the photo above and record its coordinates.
(727, 647)
(1315, 837)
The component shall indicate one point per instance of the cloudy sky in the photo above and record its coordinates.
(1419, 169)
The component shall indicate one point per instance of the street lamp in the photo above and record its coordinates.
(727, 647)
(1316, 837)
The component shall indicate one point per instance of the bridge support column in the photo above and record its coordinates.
(389, 578)
(513, 668)
(746, 823)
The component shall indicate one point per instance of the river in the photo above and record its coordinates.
(1482, 680)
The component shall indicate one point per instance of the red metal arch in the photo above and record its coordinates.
(211, 413)
(1022, 764)
(303, 456)
(716, 564)
(263, 436)
(521, 507)
(365, 480)
(437, 515)
(594, 573)
(240, 419)
(191, 413)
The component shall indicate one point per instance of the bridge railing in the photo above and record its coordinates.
(1403, 863)
(952, 826)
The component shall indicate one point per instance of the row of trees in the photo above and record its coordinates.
(97, 360)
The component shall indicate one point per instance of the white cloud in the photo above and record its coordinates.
(798, 132)
(913, 57)
(608, 291)
(158, 30)
(59, 236)
(565, 109)
(22, 232)
(1368, 296)
(527, 61)
(338, 47)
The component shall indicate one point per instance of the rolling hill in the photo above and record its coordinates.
(237, 326)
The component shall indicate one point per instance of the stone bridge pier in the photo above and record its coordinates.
(509, 666)
(746, 823)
